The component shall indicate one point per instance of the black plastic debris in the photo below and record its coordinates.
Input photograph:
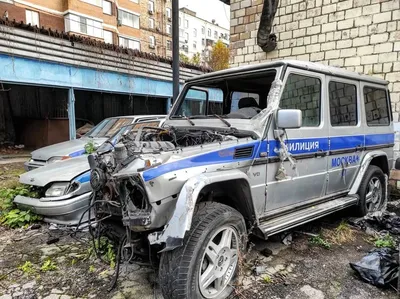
(379, 221)
(379, 267)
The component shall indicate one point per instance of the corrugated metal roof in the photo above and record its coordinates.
(95, 43)
(305, 65)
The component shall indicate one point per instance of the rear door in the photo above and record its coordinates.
(346, 139)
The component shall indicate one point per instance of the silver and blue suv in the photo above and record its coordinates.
(261, 148)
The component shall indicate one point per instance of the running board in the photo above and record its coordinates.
(288, 221)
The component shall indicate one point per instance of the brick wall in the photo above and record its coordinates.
(45, 19)
(160, 21)
(359, 35)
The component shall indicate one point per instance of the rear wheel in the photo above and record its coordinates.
(207, 263)
(372, 191)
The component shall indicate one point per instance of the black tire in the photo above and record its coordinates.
(179, 269)
(373, 172)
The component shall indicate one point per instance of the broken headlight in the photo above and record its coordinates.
(57, 189)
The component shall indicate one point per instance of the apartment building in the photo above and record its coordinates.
(137, 24)
(197, 35)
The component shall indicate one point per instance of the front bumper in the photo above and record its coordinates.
(65, 212)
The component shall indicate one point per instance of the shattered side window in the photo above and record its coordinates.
(342, 104)
(376, 106)
(303, 93)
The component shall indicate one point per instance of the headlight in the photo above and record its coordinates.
(57, 189)
(57, 159)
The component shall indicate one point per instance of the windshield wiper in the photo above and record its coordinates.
(223, 120)
(185, 117)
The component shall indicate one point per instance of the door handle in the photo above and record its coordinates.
(320, 153)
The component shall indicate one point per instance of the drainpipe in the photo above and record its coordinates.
(175, 48)
(71, 114)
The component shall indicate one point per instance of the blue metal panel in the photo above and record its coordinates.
(29, 71)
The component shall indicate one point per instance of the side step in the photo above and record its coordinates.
(287, 221)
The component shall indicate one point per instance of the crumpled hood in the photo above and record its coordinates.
(64, 148)
(63, 171)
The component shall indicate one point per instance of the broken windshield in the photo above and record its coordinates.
(241, 97)
(108, 127)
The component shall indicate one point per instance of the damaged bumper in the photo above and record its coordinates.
(65, 212)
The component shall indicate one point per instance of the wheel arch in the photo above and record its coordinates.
(377, 158)
(201, 188)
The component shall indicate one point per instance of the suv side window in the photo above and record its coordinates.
(376, 106)
(343, 104)
(304, 93)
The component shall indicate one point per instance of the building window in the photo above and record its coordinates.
(32, 17)
(194, 32)
(181, 32)
(94, 2)
(152, 41)
(107, 7)
(129, 43)
(186, 36)
(169, 45)
(376, 106)
(83, 25)
(108, 37)
(128, 19)
(194, 45)
(215, 34)
(209, 32)
(151, 23)
(151, 6)
(303, 93)
(168, 12)
(169, 29)
(203, 30)
(186, 23)
(342, 104)
(203, 42)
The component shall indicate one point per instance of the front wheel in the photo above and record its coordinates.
(205, 267)
(372, 191)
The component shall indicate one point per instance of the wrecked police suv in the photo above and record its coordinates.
(258, 149)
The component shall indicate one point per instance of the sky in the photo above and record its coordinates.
(208, 10)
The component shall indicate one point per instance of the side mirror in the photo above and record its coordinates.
(288, 119)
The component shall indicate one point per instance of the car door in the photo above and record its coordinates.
(346, 138)
(308, 145)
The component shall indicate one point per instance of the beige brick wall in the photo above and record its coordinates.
(161, 22)
(359, 35)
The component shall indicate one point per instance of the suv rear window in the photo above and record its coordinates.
(376, 106)
(343, 104)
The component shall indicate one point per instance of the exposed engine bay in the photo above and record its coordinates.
(124, 199)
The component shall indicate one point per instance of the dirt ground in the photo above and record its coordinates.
(299, 270)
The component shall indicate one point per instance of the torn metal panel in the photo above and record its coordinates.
(175, 230)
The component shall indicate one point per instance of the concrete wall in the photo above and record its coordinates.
(359, 35)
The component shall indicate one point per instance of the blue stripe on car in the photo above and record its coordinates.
(83, 178)
(295, 146)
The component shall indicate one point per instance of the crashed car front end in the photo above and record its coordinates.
(141, 180)
(64, 191)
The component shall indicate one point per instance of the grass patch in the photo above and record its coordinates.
(385, 241)
(48, 265)
(105, 250)
(27, 268)
(340, 235)
(10, 215)
(320, 241)
(267, 279)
